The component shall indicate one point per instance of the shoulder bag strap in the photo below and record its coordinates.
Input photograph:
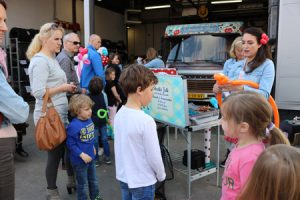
(45, 100)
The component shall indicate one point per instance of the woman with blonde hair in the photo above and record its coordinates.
(234, 64)
(232, 68)
(275, 175)
(152, 60)
(45, 73)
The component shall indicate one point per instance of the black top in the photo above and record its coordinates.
(99, 104)
(110, 96)
(117, 71)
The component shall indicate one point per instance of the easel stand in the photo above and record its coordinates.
(210, 167)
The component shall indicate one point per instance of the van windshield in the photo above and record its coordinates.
(201, 48)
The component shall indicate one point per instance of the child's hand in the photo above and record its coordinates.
(86, 158)
(94, 151)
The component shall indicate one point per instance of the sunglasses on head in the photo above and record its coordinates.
(53, 26)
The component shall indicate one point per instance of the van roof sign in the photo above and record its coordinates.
(203, 28)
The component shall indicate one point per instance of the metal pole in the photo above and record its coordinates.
(207, 139)
(218, 156)
(87, 20)
(189, 148)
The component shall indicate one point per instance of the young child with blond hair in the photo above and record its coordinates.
(80, 142)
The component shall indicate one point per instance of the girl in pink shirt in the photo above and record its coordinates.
(246, 115)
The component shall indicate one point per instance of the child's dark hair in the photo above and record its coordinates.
(96, 86)
(112, 56)
(77, 102)
(135, 76)
(254, 109)
(108, 71)
(275, 175)
(263, 52)
(3, 3)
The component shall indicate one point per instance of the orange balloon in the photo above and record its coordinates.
(224, 80)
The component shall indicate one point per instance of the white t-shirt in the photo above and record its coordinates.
(137, 152)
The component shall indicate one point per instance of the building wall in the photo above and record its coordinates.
(23, 15)
(143, 36)
(34, 13)
(109, 25)
(149, 34)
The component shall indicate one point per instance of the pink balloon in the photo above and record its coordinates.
(86, 61)
(80, 56)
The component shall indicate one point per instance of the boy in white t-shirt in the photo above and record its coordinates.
(137, 153)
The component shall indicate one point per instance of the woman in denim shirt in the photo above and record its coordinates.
(234, 64)
(232, 69)
(257, 66)
(13, 109)
(152, 60)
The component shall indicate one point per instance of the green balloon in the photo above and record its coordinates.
(102, 113)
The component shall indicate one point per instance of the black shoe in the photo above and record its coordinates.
(20, 151)
(107, 160)
(97, 163)
(222, 164)
(70, 189)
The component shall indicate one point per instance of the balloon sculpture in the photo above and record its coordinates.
(224, 80)
(104, 53)
(102, 113)
(81, 58)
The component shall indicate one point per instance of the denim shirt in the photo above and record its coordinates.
(12, 106)
(232, 68)
(263, 75)
(155, 63)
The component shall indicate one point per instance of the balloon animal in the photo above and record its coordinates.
(81, 58)
(224, 80)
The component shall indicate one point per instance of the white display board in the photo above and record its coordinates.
(169, 103)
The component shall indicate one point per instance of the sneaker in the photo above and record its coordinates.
(97, 163)
(107, 160)
(222, 164)
(100, 152)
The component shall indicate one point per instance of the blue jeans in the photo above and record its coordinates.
(87, 181)
(104, 141)
(141, 193)
(96, 144)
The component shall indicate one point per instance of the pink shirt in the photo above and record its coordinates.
(237, 169)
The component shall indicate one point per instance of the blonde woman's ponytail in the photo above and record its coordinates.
(34, 47)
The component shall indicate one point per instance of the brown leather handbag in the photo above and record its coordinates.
(49, 131)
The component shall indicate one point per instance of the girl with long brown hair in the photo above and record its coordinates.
(246, 116)
(275, 175)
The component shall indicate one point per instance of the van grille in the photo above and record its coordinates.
(200, 86)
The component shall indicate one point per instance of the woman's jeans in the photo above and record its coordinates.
(87, 181)
(7, 169)
(141, 193)
(104, 141)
